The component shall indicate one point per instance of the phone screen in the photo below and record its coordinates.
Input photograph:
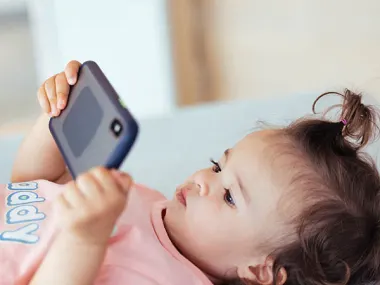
(82, 122)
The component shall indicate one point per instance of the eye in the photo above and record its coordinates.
(227, 195)
(228, 198)
(216, 168)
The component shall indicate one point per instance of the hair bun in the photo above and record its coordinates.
(359, 120)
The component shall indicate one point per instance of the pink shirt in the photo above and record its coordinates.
(139, 252)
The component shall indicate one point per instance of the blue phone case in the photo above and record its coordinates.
(95, 129)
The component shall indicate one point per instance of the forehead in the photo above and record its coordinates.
(265, 162)
(255, 161)
(258, 144)
(251, 160)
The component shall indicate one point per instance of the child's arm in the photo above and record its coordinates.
(70, 262)
(89, 209)
(38, 156)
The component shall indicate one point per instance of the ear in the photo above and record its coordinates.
(262, 273)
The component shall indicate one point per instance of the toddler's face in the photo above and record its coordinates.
(221, 216)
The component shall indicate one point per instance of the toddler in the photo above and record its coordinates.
(293, 205)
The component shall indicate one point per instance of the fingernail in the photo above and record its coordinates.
(71, 80)
(123, 174)
(61, 104)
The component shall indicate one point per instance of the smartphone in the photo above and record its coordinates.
(95, 128)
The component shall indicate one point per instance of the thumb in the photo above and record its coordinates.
(124, 180)
(71, 71)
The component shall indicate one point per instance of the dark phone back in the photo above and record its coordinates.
(95, 129)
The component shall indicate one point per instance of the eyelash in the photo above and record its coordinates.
(216, 168)
(227, 195)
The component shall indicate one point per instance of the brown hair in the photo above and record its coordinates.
(338, 235)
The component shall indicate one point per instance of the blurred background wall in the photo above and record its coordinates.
(18, 74)
(278, 48)
(226, 50)
(161, 55)
(128, 39)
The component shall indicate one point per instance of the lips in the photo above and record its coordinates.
(181, 196)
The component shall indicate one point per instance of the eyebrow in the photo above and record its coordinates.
(244, 192)
(226, 152)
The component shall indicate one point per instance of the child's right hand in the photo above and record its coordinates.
(54, 92)
(90, 206)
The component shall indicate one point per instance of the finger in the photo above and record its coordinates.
(63, 203)
(124, 180)
(62, 89)
(105, 179)
(43, 100)
(71, 71)
(90, 188)
(73, 195)
(51, 95)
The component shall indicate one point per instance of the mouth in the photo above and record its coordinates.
(181, 197)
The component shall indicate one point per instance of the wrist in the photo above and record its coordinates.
(78, 241)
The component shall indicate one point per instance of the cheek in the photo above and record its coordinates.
(207, 232)
(204, 211)
(214, 201)
(208, 220)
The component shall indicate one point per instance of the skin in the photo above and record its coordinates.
(230, 211)
(231, 207)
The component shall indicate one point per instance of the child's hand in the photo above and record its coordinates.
(53, 93)
(91, 205)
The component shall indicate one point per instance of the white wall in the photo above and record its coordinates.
(128, 39)
(12, 6)
(17, 71)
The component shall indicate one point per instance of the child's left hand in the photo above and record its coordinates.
(53, 94)
(91, 205)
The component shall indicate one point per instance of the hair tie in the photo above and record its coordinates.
(344, 121)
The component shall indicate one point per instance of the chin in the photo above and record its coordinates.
(172, 221)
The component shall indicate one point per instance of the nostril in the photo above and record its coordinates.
(202, 190)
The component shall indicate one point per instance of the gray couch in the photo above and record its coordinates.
(172, 147)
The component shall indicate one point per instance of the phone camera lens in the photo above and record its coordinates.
(116, 127)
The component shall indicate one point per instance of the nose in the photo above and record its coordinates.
(204, 189)
(202, 180)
